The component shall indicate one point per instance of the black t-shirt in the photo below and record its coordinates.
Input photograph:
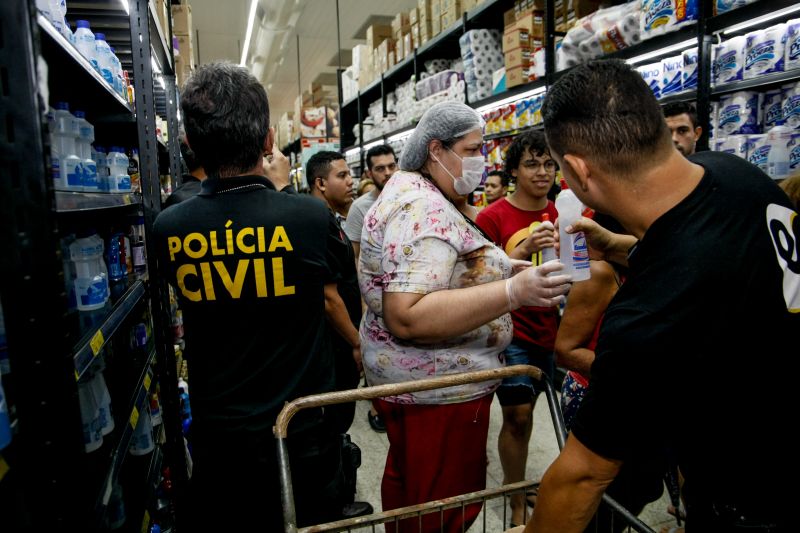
(342, 261)
(692, 347)
(188, 189)
(249, 264)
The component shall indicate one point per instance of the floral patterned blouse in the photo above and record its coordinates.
(415, 240)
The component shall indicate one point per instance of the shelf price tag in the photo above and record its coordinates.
(97, 342)
(147, 381)
(145, 521)
(134, 417)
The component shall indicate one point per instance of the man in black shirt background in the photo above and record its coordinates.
(249, 264)
(190, 185)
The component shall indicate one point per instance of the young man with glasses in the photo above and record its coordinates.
(514, 223)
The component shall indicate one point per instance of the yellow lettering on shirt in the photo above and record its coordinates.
(244, 248)
(234, 286)
(183, 271)
(187, 245)
(277, 277)
(279, 240)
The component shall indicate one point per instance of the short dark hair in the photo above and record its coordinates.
(375, 151)
(504, 179)
(679, 108)
(605, 111)
(532, 141)
(226, 116)
(319, 165)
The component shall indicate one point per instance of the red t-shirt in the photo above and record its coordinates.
(508, 226)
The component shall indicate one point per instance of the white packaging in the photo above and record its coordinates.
(664, 16)
(779, 138)
(718, 145)
(84, 42)
(740, 113)
(671, 75)
(689, 69)
(794, 153)
(772, 114)
(738, 145)
(764, 51)
(791, 104)
(724, 6)
(728, 61)
(791, 58)
(652, 77)
(574, 248)
(713, 132)
(758, 152)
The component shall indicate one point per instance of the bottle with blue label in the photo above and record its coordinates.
(574, 248)
(116, 69)
(85, 43)
(118, 178)
(83, 145)
(103, 54)
(91, 275)
(64, 154)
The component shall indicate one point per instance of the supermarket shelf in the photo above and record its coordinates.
(776, 78)
(512, 133)
(683, 96)
(76, 201)
(91, 343)
(161, 49)
(750, 12)
(138, 403)
(518, 90)
(86, 88)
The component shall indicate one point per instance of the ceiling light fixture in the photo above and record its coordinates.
(764, 18)
(251, 18)
(663, 51)
(511, 99)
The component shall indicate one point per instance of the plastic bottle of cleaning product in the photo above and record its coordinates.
(104, 62)
(116, 69)
(83, 145)
(68, 162)
(779, 139)
(99, 155)
(84, 42)
(574, 249)
(548, 254)
(138, 246)
(118, 179)
(91, 275)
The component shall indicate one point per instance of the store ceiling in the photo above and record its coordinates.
(220, 33)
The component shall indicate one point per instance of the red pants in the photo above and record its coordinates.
(435, 451)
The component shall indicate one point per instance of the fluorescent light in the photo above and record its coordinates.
(663, 51)
(511, 99)
(125, 6)
(154, 63)
(399, 136)
(251, 18)
(764, 18)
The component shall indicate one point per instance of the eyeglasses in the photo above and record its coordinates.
(532, 164)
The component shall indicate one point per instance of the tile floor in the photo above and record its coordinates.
(542, 451)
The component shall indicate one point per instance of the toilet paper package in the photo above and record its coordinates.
(723, 6)
(713, 132)
(791, 104)
(689, 69)
(718, 145)
(728, 60)
(794, 154)
(652, 76)
(772, 113)
(758, 151)
(740, 113)
(764, 51)
(663, 16)
(791, 58)
(737, 145)
(671, 75)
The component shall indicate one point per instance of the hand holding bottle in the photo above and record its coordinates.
(533, 287)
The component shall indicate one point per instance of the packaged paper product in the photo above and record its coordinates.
(764, 50)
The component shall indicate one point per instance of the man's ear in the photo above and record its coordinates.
(320, 184)
(698, 131)
(579, 170)
(269, 140)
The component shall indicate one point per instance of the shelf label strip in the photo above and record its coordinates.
(134, 417)
(97, 342)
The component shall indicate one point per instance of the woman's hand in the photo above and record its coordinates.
(533, 286)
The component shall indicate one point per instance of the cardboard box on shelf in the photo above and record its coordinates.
(451, 6)
(413, 16)
(181, 19)
(377, 33)
(509, 18)
(400, 23)
(516, 76)
(436, 26)
(516, 38)
(519, 57)
(408, 44)
(436, 9)
(533, 21)
(424, 9)
(362, 56)
(415, 35)
(161, 14)
(449, 18)
(185, 46)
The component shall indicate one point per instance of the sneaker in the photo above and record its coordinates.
(352, 510)
(376, 423)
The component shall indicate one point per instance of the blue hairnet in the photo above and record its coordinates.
(443, 121)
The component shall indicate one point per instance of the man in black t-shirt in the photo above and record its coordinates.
(190, 185)
(250, 266)
(713, 291)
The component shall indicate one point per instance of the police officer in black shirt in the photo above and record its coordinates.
(249, 264)
(190, 185)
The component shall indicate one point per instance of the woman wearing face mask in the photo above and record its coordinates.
(438, 294)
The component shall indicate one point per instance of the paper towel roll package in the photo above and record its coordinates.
(726, 5)
(728, 63)
(653, 77)
(740, 113)
(737, 145)
(713, 132)
(791, 104)
(663, 16)
(794, 153)
(791, 58)
(773, 108)
(671, 75)
(758, 152)
(689, 69)
(764, 51)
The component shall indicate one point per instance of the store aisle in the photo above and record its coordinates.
(543, 450)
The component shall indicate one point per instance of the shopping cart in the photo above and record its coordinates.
(370, 522)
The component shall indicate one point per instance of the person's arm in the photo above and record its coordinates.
(277, 169)
(356, 250)
(336, 313)
(586, 304)
(603, 244)
(571, 489)
(542, 237)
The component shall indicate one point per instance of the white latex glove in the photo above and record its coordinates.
(533, 286)
(518, 265)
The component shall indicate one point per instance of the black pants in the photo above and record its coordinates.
(341, 415)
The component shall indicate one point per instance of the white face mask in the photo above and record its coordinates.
(471, 173)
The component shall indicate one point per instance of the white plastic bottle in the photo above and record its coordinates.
(99, 155)
(68, 162)
(103, 54)
(548, 254)
(779, 139)
(116, 69)
(574, 249)
(83, 146)
(118, 178)
(85, 42)
(91, 275)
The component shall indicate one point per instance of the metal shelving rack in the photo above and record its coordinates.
(489, 15)
(42, 471)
